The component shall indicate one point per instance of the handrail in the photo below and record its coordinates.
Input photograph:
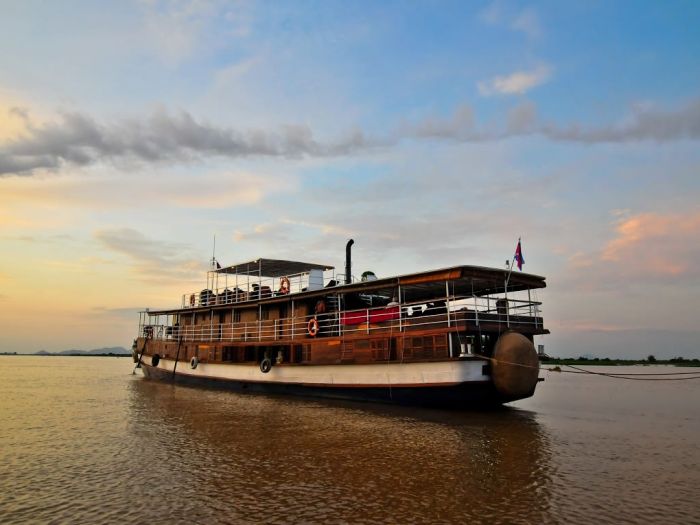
(397, 318)
(252, 290)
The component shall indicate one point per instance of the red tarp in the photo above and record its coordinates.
(375, 316)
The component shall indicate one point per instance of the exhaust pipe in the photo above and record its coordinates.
(348, 262)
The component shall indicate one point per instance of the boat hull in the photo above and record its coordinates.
(456, 384)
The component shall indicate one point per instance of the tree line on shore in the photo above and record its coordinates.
(606, 361)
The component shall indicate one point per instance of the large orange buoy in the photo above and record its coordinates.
(515, 366)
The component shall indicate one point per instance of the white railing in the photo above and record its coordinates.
(439, 313)
(242, 288)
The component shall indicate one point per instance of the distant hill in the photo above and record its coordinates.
(113, 350)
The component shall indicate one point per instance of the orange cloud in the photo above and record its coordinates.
(662, 245)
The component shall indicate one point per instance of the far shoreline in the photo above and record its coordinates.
(577, 361)
(62, 355)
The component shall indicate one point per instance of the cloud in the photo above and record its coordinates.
(124, 313)
(646, 123)
(39, 198)
(646, 248)
(13, 122)
(528, 22)
(177, 30)
(78, 139)
(665, 245)
(459, 124)
(522, 118)
(152, 259)
(525, 21)
(517, 83)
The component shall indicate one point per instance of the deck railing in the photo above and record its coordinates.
(455, 312)
(242, 288)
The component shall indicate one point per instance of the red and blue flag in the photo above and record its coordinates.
(519, 259)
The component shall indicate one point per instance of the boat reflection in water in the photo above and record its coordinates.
(224, 457)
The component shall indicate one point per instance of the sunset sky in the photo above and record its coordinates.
(433, 133)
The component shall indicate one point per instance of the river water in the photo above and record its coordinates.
(84, 441)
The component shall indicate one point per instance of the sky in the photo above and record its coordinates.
(433, 133)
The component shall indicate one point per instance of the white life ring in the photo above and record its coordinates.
(194, 362)
(312, 327)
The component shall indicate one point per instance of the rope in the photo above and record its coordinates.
(641, 373)
(625, 376)
(696, 375)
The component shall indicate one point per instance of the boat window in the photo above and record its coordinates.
(249, 353)
(297, 354)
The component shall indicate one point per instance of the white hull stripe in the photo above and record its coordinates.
(444, 373)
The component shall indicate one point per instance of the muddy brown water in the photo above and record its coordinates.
(84, 441)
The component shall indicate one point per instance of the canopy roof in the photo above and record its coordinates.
(273, 268)
(463, 281)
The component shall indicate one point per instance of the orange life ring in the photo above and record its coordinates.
(192, 300)
(284, 285)
(312, 327)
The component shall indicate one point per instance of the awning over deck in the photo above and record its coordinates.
(273, 268)
(456, 281)
(471, 280)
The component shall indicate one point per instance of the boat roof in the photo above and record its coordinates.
(464, 281)
(273, 267)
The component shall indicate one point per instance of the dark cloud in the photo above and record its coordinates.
(644, 124)
(78, 139)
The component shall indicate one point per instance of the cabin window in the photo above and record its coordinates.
(249, 354)
(427, 347)
(236, 316)
(379, 349)
(297, 354)
(264, 314)
(362, 344)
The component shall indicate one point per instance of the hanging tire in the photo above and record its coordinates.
(193, 363)
(155, 360)
(265, 365)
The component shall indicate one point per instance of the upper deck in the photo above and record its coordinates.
(270, 299)
(274, 281)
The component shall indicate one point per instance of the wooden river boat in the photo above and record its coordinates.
(459, 336)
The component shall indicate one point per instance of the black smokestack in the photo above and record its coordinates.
(348, 262)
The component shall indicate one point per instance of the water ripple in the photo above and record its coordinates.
(83, 441)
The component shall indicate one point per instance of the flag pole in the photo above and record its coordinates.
(510, 270)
